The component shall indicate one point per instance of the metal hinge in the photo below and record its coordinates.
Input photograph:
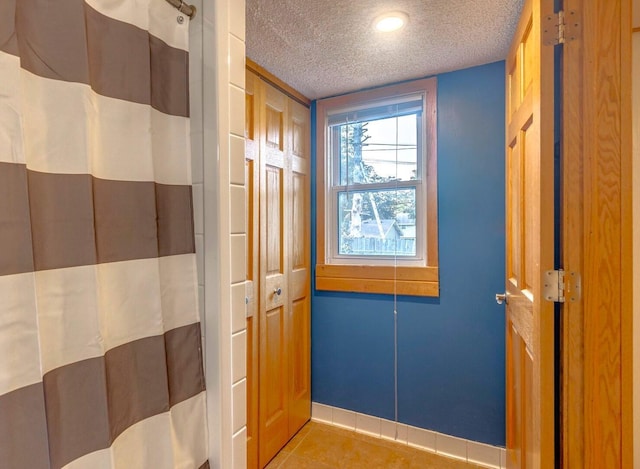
(560, 27)
(560, 286)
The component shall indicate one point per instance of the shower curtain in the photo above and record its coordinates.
(100, 340)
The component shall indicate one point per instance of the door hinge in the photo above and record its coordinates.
(561, 27)
(560, 286)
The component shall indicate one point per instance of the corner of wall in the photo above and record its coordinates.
(224, 262)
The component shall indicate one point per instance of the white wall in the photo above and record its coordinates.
(196, 86)
(217, 91)
(197, 153)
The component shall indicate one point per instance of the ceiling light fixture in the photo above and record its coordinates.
(390, 21)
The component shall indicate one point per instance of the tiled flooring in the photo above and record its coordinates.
(319, 446)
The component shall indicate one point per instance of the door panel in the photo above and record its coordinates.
(298, 223)
(273, 340)
(274, 395)
(273, 215)
(274, 378)
(514, 212)
(298, 156)
(252, 149)
(275, 130)
(529, 244)
(529, 422)
(530, 193)
(277, 164)
(514, 389)
(529, 54)
(300, 351)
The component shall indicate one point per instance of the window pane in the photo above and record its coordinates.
(395, 107)
(377, 223)
(378, 150)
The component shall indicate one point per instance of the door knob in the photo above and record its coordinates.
(277, 291)
(501, 298)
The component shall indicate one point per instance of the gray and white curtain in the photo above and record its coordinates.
(100, 340)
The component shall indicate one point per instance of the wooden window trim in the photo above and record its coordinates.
(402, 280)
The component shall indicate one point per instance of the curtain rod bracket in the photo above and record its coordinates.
(184, 8)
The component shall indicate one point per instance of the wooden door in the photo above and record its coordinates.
(277, 158)
(274, 237)
(252, 161)
(529, 243)
(298, 163)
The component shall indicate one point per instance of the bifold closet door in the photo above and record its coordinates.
(274, 291)
(278, 259)
(252, 152)
(298, 156)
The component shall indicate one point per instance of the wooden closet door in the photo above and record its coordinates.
(274, 279)
(298, 160)
(277, 159)
(252, 159)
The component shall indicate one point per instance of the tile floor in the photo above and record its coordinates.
(320, 446)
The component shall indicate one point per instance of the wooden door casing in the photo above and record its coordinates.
(530, 249)
(597, 356)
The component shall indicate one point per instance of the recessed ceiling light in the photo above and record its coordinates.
(390, 21)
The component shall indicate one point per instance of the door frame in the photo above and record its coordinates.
(596, 238)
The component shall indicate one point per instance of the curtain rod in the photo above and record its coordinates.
(185, 8)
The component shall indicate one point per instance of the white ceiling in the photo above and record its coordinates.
(322, 48)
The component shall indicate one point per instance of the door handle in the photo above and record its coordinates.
(501, 298)
(277, 291)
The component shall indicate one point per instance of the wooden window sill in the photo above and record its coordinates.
(412, 281)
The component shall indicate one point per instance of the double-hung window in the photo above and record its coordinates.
(377, 207)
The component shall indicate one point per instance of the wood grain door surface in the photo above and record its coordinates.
(252, 158)
(529, 243)
(274, 277)
(278, 360)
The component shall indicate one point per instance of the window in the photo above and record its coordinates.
(377, 207)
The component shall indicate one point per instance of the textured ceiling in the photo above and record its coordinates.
(323, 48)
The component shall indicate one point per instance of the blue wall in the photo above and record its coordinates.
(451, 348)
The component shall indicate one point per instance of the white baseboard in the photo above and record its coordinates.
(450, 446)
